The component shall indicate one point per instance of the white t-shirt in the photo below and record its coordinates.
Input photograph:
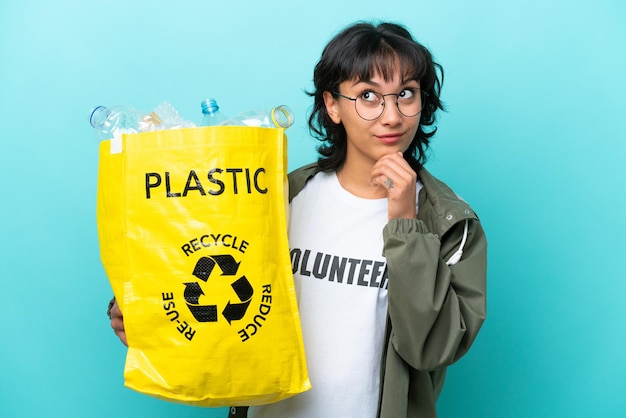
(341, 282)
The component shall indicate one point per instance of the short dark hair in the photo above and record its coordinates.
(359, 52)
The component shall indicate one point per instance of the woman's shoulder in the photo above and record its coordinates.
(436, 189)
(438, 201)
(299, 177)
(307, 170)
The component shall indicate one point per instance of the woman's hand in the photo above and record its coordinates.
(117, 323)
(396, 175)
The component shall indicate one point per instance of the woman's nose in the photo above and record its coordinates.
(391, 114)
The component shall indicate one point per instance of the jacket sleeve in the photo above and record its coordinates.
(435, 310)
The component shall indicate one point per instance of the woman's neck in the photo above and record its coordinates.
(356, 179)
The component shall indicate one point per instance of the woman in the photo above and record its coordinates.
(378, 338)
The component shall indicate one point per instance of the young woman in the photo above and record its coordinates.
(378, 338)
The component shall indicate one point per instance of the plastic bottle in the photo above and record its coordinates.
(277, 117)
(170, 118)
(110, 122)
(211, 113)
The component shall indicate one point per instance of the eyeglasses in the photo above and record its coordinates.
(370, 105)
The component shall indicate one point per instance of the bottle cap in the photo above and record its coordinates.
(209, 106)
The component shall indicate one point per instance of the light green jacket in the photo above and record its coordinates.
(436, 306)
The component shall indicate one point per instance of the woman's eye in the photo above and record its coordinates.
(369, 96)
(407, 93)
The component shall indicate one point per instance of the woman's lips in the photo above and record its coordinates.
(389, 138)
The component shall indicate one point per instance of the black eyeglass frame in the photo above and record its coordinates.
(423, 95)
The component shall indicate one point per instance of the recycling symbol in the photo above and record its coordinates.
(203, 269)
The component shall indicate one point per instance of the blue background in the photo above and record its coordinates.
(533, 138)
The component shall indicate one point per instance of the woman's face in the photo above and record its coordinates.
(369, 140)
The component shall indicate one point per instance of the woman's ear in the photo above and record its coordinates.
(331, 107)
